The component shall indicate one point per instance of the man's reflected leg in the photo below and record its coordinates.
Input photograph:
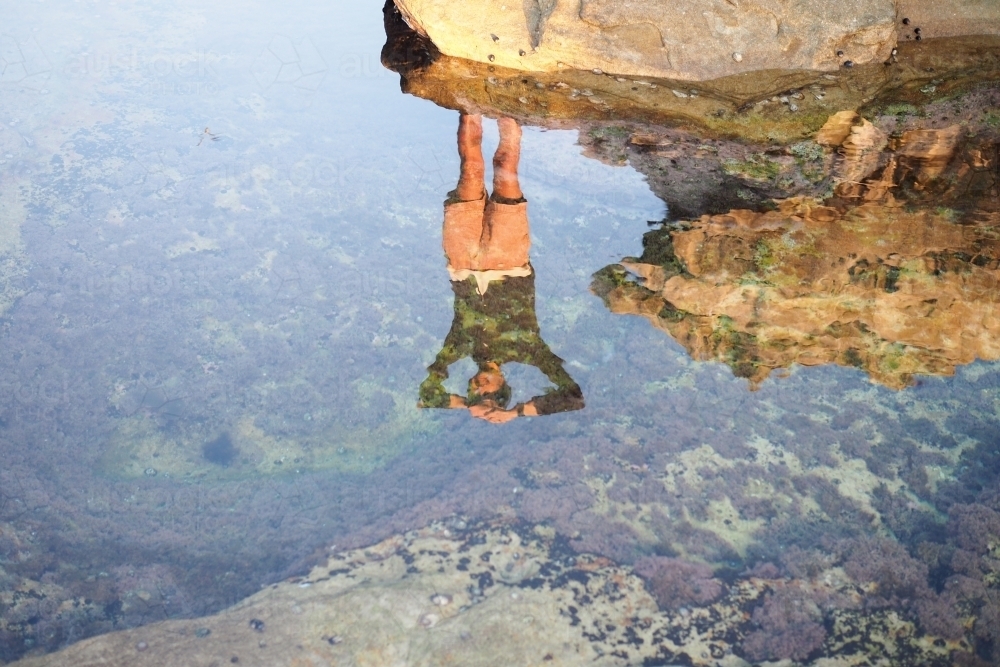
(463, 210)
(470, 153)
(506, 241)
(505, 160)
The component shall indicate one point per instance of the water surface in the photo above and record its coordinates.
(224, 295)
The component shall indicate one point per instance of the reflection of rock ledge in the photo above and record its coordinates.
(893, 292)
(898, 273)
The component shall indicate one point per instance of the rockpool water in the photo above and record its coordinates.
(230, 336)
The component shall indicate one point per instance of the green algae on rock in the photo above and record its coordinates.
(144, 441)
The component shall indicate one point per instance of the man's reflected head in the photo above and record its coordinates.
(489, 386)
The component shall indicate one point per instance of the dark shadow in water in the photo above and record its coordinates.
(221, 451)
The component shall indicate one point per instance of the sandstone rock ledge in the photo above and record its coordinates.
(688, 40)
(742, 106)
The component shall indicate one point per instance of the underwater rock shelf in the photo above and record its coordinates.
(452, 594)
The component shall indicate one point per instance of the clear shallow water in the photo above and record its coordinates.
(223, 286)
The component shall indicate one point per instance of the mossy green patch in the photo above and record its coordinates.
(764, 256)
(610, 132)
(949, 214)
(807, 151)
(810, 157)
(757, 167)
(737, 349)
(901, 109)
(143, 445)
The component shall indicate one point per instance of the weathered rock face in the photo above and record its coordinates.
(862, 279)
(685, 40)
(743, 105)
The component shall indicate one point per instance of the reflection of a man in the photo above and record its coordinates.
(486, 243)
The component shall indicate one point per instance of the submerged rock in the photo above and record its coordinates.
(510, 591)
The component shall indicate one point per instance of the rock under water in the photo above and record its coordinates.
(455, 595)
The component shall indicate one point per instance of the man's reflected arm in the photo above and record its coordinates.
(432, 391)
(565, 397)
